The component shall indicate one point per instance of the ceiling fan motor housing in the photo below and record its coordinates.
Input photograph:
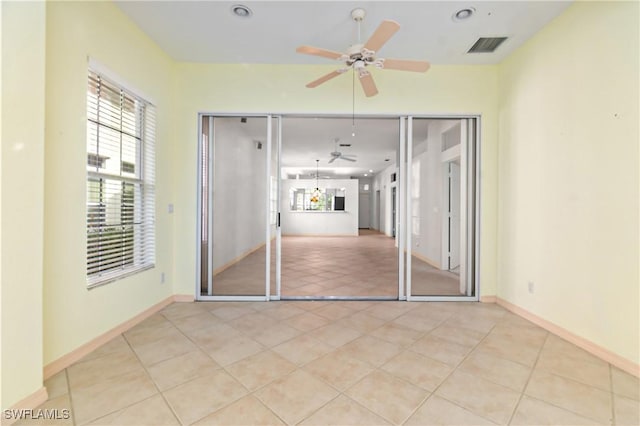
(358, 53)
(358, 14)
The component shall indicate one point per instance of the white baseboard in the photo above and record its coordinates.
(184, 298)
(242, 256)
(589, 346)
(65, 361)
(426, 260)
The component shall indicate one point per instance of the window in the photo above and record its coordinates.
(120, 182)
(316, 199)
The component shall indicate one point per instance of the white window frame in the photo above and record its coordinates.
(139, 254)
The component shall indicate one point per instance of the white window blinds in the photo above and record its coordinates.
(120, 182)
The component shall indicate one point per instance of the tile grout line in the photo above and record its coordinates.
(375, 368)
(224, 368)
(321, 407)
(175, 415)
(526, 385)
(613, 420)
(565, 408)
(73, 416)
(564, 378)
(453, 370)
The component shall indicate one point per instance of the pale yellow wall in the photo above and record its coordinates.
(74, 315)
(568, 182)
(281, 89)
(23, 109)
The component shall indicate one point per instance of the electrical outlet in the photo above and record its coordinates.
(531, 287)
(162, 278)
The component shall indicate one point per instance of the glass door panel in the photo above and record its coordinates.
(274, 208)
(234, 199)
(339, 240)
(440, 216)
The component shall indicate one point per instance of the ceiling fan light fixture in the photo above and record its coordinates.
(241, 11)
(463, 14)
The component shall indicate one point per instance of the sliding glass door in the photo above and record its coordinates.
(238, 207)
(274, 207)
(441, 217)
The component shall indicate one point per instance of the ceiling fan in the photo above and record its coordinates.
(361, 55)
(337, 155)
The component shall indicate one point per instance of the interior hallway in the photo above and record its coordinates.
(363, 266)
(331, 362)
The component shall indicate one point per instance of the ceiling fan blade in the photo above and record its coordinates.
(382, 34)
(317, 51)
(348, 159)
(406, 65)
(323, 79)
(332, 159)
(368, 85)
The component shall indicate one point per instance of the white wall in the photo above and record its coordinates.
(382, 182)
(239, 190)
(431, 200)
(320, 223)
(569, 193)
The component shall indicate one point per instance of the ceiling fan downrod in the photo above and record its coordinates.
(358, 15)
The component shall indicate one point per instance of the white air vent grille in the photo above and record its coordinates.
(486, 44)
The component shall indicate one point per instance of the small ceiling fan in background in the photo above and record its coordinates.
(337, 155)
(360, 56)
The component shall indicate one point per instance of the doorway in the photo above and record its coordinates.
(442, 221)
(305, 228)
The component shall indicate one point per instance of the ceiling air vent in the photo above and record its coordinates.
(486, 44)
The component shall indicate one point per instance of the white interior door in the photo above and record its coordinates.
(454, 217)
(364, 211)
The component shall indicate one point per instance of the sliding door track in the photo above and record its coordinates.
(355, 298)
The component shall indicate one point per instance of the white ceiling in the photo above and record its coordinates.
(207, 32)
(307, 139)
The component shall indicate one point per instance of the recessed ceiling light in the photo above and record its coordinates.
(241, 11)
(370, 171)
(463, 14)
(365, 175)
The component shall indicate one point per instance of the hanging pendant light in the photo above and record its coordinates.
(316, 192)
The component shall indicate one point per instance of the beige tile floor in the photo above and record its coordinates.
(341, 363)
(362, 266)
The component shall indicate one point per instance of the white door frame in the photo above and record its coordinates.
(470, 188)
(211, 158)
(472, 125)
